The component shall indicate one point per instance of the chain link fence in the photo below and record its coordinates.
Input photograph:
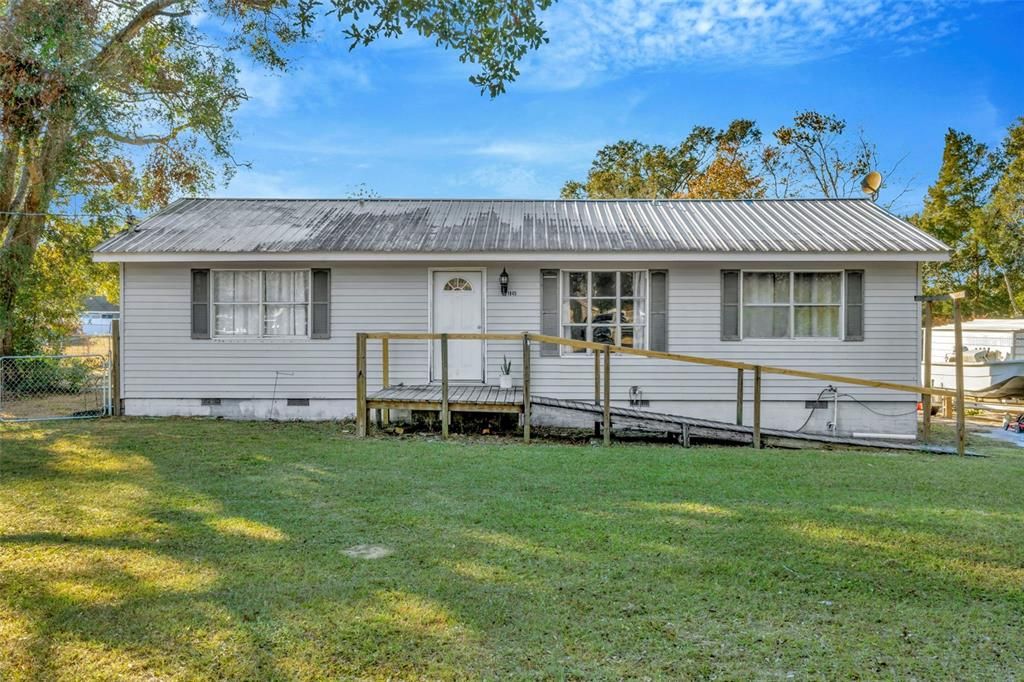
(38, 387)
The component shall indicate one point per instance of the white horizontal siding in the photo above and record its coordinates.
(162, 361)
(889, 351)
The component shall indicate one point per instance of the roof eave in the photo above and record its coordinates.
(519, 256)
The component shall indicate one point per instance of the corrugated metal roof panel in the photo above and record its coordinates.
(481, 226)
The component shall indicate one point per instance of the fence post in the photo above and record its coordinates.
(444, 385)
(385, 377)
(361, 412)
(739, 397)
(958, 333)
(607, 428)
(926, 398)
(757, 407)
(526, 387)
(115, 368)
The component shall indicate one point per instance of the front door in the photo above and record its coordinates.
(458, 307)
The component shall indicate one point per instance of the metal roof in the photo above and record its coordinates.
(481, 226)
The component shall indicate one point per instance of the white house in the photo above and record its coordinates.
(249, 308)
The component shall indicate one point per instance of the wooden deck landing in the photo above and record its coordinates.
(461, 398)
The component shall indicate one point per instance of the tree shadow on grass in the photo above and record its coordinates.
(546, 564)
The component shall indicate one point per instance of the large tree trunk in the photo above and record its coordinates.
(26, 221)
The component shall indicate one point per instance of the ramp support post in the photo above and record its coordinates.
(597, 388)
(361, 412)
(739, 397)
(757, 407)
(444, 385)
(958, 333)
(607, 427)
(385, 377)
(926, 398)
(526, 387)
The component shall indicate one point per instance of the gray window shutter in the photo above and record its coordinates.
(549, 310)
(730, 305)
(200, 304)
(854, 305)
(659, 310)
(320, 305)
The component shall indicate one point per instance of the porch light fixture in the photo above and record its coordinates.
(503, 282)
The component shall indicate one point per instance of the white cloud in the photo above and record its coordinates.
(197, 17)
(254, 184)
(265, 90)
(547, 151)
(324, 81)
(592, 40)
(500, 180)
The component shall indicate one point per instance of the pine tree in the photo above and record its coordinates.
(953, 211)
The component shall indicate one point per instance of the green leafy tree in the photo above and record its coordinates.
(111, 106)
(633, 169)
(1002, 230)
(49, 301)
(731, 174)
(954, 211)
(814, 156)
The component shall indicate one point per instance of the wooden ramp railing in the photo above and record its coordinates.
(602, 375)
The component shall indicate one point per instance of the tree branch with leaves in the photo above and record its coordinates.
(115, 106)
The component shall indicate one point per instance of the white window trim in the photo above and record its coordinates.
(260, 305)
(792, 305)
(566, 351)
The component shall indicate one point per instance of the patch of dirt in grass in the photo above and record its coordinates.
(369, 551)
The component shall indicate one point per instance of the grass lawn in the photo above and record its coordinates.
(204, 549)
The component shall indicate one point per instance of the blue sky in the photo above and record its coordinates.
(400, 117)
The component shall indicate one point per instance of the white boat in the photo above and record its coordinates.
(993, 358)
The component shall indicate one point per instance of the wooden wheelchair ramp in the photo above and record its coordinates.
(693, 428)
(449, 396)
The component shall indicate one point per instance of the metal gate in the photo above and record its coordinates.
(38, 387)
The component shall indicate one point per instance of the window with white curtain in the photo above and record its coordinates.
(286, 302)
(261, 303)
(604, 307)
(817, 299)
(779, 305)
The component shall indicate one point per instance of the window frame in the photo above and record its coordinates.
(563, 298)
(793, 305)
(261, 305)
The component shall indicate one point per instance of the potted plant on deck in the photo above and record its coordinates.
(505, 378)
